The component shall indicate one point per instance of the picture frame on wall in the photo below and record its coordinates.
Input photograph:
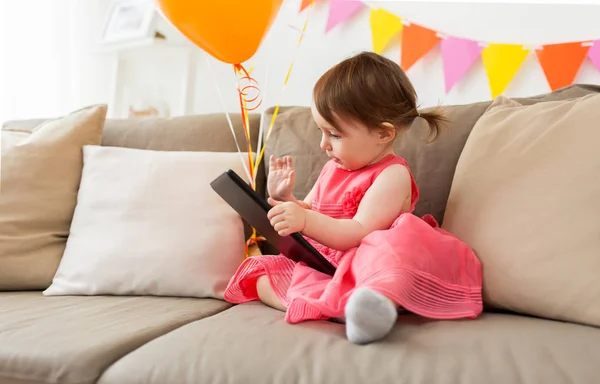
(129, 21)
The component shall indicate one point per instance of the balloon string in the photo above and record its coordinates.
(261, 122)
(229, 122)
(285, 82)
(254, 239)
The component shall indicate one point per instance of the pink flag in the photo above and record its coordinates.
(594, 53)
(340, 10)
(458, 55)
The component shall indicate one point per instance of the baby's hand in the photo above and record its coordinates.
(282, 178)
(286, 217)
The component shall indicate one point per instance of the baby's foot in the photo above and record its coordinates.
(370, 316)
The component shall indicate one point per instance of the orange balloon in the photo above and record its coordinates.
(230, 30)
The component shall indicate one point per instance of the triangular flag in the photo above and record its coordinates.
(417, 41)
(305, 4)
(561, 62)
(384, 26)
(458, 55)
(341, 10)
(502, 61)
(594, 53)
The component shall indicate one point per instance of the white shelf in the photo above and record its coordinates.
(141, 44)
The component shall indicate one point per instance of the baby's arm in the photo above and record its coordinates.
(307, 202)
(380, 206)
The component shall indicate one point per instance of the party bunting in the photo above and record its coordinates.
(384, 27)
(561, 62)
(502, 61)
(458, 55)
(341, 10)
(594, 53)
(417, 41)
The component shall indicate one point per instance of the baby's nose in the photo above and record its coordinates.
(325, 144)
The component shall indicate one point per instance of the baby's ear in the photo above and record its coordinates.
(387, 133)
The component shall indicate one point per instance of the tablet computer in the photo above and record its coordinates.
(253, 209)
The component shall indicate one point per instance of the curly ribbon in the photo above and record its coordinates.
(229, 122)
(252, 248)
(246, 85)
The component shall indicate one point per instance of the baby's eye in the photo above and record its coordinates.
(334, 136)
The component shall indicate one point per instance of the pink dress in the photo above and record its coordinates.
(416, 264)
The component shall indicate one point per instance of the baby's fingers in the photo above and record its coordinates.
(281, 228)
(273, 212)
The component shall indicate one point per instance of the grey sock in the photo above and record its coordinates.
(370, 316)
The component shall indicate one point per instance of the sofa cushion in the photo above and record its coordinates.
(433, 164)
(71, 340)
(41, 172)
(251, 343)
(525, 197)
(148, 223)
(208, 132)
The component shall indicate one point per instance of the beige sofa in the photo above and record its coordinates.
(529, 332)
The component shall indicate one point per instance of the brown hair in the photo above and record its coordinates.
(373, 90)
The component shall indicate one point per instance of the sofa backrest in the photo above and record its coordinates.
(208, 132)
(295, 133)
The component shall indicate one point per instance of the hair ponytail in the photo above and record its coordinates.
(374, 90)
(435, 119)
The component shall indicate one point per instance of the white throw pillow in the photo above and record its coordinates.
(148, 223)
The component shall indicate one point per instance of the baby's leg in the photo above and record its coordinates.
(266, 293)
(370, 316)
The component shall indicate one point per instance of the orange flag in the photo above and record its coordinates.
(417, 41)
(305, 3)
(561, 62)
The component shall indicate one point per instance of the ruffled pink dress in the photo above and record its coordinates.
(418, 265)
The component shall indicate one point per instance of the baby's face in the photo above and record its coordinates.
(353, 145)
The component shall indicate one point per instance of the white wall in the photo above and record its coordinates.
(21, 67)
(533, 24)
(46, 68)
(50, 78)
